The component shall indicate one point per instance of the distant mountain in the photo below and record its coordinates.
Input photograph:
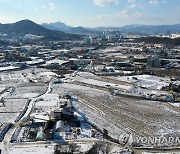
(141, 29)
(24, 27)
(56, 26)
(54, 30)
(69, 29)
(148, 29)
(81, 30)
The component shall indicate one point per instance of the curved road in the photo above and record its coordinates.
(6, 142)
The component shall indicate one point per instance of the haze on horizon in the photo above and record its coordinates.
(92, 13)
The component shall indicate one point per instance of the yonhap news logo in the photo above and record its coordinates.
(127, 139)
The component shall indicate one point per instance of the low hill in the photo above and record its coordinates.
(151, 29)
(81, 30)
(157, 40)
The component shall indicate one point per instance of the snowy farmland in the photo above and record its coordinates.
(15, 93)
(145, 81)
(122, 114)
(93, 99)
(47, 149)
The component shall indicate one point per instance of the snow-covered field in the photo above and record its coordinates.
(146, 86)
(145, 81)
(116, 114)
(15, 90)
(37, 149)
(122, 114)
(48, 100)
(13, 105)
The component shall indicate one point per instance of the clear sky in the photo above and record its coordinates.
(92, 13)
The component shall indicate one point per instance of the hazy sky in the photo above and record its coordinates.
(92, 13)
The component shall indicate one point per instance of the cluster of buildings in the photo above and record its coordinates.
(58, 122)
(117, 34)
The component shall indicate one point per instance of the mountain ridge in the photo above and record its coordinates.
(163, 29)
(60, 26)
(135, 28)
(24, 27)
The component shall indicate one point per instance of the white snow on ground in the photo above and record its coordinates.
(35, 61)
(22, 76)
(38, 149)
(85, 147)
(2, 88)
(116, 150)
(79, 117)
(13, 105)
(145, 81)
(42, 76)
(102, 84)
(18, 91)
(96, 117)
(12, 78)
(27, 90)
(82, 78)
(48, 100)
(141, 91)
(143, 84)
(8, 68)
(118, 48)
(176, 104)
(8, 117)
(47, 74)
(92, 111)
(58, 61)
(40, 117)
(27, 95)
(98, 120)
